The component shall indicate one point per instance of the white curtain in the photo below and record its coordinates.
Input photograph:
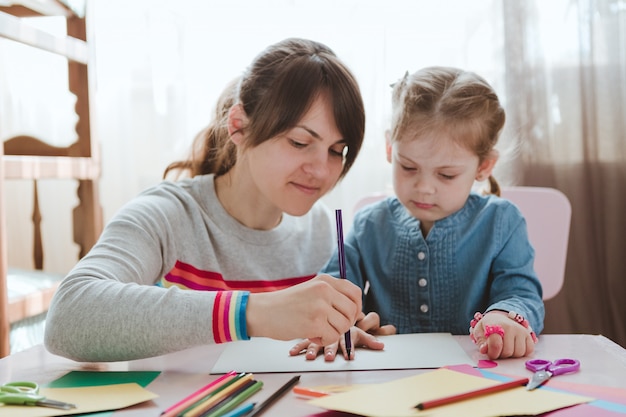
(160, 65)
(164, 64)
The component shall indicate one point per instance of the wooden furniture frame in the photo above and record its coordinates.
(26, 157)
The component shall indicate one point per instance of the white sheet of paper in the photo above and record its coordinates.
(403, 351)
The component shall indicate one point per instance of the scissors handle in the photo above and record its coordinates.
(537, 365)
(24, 387)
(20, 398)
(558, 367)
(563, 366)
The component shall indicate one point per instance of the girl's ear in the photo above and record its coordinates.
(388, 147)
(237, 121)
(486, 167)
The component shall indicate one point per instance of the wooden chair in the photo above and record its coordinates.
(26, 157)
(548, 213)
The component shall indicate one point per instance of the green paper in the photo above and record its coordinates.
(96, 378)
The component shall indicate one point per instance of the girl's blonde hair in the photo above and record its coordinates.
(445, 99)
(275, 92)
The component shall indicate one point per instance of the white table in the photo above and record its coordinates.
(603, 363)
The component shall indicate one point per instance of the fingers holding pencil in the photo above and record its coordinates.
(321, 309)
(342, 271)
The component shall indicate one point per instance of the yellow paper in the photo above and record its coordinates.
(87, 400)
(398, 398)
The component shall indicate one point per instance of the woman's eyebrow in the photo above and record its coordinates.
(311, 131)
(317, 135)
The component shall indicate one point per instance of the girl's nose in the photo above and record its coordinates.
(423, 185)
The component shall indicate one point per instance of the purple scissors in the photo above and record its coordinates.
(544, 370)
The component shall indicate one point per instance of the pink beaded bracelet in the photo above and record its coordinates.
(497, 329)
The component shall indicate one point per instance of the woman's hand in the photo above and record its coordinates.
(321, 309)
(516, 343)
(362, 335)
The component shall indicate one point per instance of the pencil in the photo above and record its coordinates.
(342, 269)
(241, 411)
(204, 405)
(195, 396)
(424, 405)
(217, 390)
(234, 400)
(220, 402)
(275, 396)
(308, 392)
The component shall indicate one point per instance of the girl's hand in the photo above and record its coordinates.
(321, 309)
(371, 324)
(363, 335)
(516, 343)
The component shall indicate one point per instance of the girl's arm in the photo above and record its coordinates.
(516, 311)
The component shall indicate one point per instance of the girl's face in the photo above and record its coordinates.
(433, 176)
(295, 169)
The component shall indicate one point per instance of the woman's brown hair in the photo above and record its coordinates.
(275, 92)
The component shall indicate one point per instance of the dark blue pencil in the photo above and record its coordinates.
(342, 269)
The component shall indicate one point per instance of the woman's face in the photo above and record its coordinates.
(296, 168)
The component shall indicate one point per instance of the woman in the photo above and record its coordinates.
(246, 230)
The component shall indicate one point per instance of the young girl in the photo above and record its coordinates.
(438, 253)
(246, 230)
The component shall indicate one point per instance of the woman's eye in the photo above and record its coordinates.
(339, 151)
(297, 144)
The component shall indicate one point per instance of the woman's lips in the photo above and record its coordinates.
(306, 189)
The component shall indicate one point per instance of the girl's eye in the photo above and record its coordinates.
(407, 168)
(447, 177)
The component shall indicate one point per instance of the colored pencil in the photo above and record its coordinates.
(195, 396)
(241, 411)
(234, 400)
(342, 269)
(275, 396)
(425, 405)
(308, 392)
(202, 406)
(211, 393)
(219, 402)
